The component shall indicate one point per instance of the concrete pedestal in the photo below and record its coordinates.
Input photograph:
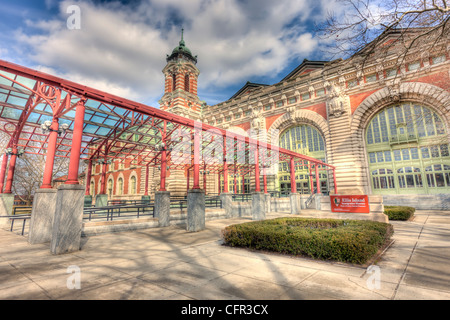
(268, 202)
(6, 206)
(42, 215)
(227, 202)
(195, 210)
(101, 200)
(68, 220)
(295, 203)
(162, 208)
(258, 206)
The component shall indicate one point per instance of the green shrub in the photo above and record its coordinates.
(399, 212)
(353, 241)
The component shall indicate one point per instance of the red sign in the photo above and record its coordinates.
(356, 203)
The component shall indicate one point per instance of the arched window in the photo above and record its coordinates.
(110, 188)
(306, 140)
(92, 188)
(408, 142)
(120, 186)
(133, 185)
(186, 83)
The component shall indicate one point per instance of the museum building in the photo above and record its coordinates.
(381, 120)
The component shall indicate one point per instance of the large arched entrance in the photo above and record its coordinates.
(306, 140)
(407, 151)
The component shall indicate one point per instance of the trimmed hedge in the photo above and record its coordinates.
(353, 241)
(399, 212)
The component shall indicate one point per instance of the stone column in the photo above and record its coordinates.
(42, 215)
(162, 208)
(6, 206)
(258, 206)
(227, 203)
(68, 220)
(295, 203)
(195, 210)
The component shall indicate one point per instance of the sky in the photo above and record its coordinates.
(121, 46)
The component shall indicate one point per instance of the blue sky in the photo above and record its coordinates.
(121, 46)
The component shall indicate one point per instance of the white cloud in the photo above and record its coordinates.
(123, 49)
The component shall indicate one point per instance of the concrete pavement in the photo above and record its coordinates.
(172, 264)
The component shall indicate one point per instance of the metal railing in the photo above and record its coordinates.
(118, 211)
(242, 197)
(23, 217)
(213, 202)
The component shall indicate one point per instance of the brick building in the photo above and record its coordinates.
(382, 121)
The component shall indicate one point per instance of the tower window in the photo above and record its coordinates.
(186, 83)
(174, 82)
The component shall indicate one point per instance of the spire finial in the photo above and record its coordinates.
(182, 40)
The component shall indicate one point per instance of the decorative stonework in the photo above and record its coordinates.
(338, 102)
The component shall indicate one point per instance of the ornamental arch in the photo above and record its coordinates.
(415, 110)
(305, 132)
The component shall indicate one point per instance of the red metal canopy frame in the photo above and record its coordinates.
(102, 126)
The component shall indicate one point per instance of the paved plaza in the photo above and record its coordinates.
(172, 264)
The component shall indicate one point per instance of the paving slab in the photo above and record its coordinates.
(172, 264)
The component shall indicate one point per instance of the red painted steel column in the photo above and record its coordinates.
(188, 179)
(3, 171)
(293, 184)
(235, 181)
(204, 177)
(88, 178)
(257, 180)
(196, 159)
(12, 167)
(317, 178)
(265, 179)
(146, 180)
(50, 158)
(334, 181)
(103, 185)
(225, 166)
(77, 135)
(218, 181)
(310, 178)
(163, 170)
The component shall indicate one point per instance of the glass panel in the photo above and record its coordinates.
(383, 183)
(434, 151)
(376, 183)
(418, 180)
(414, 154)
(391, 182)
(425, 152)
(437, 167)
(405, 153)
(447, 178)
(444, 150)
(401, 181)
(387, 156)
(372, 158)
(439, 180)
(397, 155)
(430, 180)
(410, 181)
(380, 157)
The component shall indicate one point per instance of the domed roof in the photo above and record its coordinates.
(182, 49)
